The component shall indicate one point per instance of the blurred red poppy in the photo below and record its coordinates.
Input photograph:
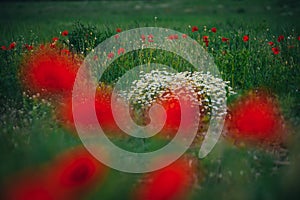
(245, 38)
(214, 29)
(102, 107)
(172, 182)
(195, 28)
(74, 173)
(3, 48)
(255, 117)
(48, 72)
(271, 43)
(118, 30)
(173, 108)
(70, 176)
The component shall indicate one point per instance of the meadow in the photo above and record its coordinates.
(256, 47)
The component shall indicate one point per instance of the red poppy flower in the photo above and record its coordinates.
(118, 30)
(76, 170)
(195, 28)
(205, 38)
(143, 37)
(173, 109)
(3, 48)
(184, 36)
(110, 55)
(121, 51)
(173, 37)
(68, 177)
(150, 38)
(275, 50)
(117, 36)
(214, 29)
(48, 72)
(171, 182)
(225, 39)
(28, 47)
(280, 38)
(271, 43)
(103, 111)
(55, 39)
(299, 38)
(65, 33)
(12, 45)
(246, 38)
(255, 117)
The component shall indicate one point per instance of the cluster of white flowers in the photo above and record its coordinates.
(161, 84)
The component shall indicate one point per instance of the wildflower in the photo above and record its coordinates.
(184, 36)
(28, 47)
(255, 117)
(65, 33)
(3, 48)
(117, 36)
(271, 43)
(118, 30)
(55, 39)
(299, 38)
(46, 71)
(12, 45)
(121, 51)
(173, 37)
(214, 29)
(102, 107)
(110, 55)
(143, 37)
(225, 39)
(150, 38)
(195, 28)
(205, 40)
(245, 38)
(280, 38)
(275, 50)
(75, 170)
(171, 182)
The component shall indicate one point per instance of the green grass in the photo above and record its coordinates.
(31, 136)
